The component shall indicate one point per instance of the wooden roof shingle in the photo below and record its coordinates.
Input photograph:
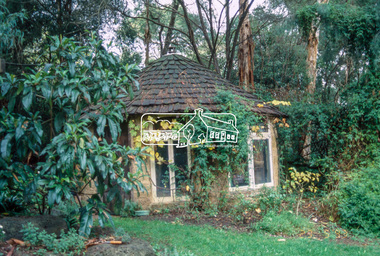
(175, 83)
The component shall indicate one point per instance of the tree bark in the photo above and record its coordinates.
(169, 33)
(147, 35)
(191, 32)
(312, 55)
(246, 50)
(231, 53)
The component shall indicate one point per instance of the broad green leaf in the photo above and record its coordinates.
(113, 129)
(6, 145)
(46, 91)
(68, 90)
(19, 131)
(59, 120)
(81, 143)
(11, 104)
(5, 88)
(52, 197)
(39, 129)
(27, 100)
(43, 182)
(86, 222)
(83, 160)
(91, 168)
(74, 95)
(72, 68)
(101, 123)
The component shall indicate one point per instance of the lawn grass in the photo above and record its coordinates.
(206, 240)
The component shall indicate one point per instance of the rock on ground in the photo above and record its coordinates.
(13, 225)
(136, 247)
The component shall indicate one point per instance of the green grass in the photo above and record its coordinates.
(205, 240)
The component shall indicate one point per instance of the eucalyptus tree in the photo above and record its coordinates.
(207, 30)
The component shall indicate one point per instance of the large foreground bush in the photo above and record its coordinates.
(359, 207)
(53, 142)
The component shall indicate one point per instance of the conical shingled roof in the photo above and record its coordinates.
(174, 83)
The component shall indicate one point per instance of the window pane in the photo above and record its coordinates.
(240, 175)
(261, 161)
(180, 161)
(162, 172)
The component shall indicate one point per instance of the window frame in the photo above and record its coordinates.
(251, 168)
(173, 197)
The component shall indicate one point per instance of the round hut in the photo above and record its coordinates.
(174, 86)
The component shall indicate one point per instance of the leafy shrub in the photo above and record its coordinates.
(328, 204)
(241, 207)
(269, 199)
(129, 208)
(69, 243)
(49, 167)
(69, 209)
(284, 223)
(124, 236)
(11, 204)
(359, 207)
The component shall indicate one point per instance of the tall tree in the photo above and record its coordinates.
(312, 55)
(312, 51)
(246, 50)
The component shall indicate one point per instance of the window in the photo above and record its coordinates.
(169, 172)
(258, 171)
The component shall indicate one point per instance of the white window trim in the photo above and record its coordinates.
(251, 168)
(173, 197)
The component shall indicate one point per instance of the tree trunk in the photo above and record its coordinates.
(169, 34)
(312, 55)
(147, 35)
(246, 50)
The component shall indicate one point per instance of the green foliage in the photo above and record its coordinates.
(269, 199)
(68, 244)
(10, 204)
(10, 36)
(30, 233)
(285, 223)
(129, 208)
(82, 86)
(123, 235)
(306, 19)
(68, 209)
(359, 206)
(343, 135)
(241, 207)
(211, 161)
(356, 25)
